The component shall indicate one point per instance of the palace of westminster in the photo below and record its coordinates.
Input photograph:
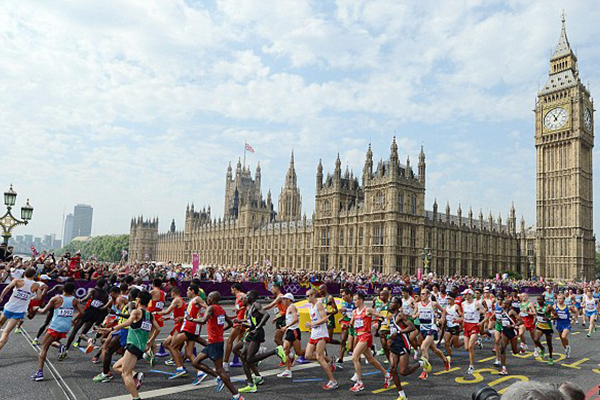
(378, 221)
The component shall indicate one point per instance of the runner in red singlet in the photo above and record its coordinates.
(177, 307)
(238, 328)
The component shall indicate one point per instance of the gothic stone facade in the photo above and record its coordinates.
(380, 222)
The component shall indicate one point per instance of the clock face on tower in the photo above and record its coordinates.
(587, 119)
(556, 118)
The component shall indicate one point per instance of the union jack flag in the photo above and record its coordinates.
(33, 250)
(364, 289)
(249, 148)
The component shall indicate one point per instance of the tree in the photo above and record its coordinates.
(104, 248)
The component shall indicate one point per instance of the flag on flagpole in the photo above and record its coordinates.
(249, 148)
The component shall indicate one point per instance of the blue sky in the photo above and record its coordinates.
(138, 107)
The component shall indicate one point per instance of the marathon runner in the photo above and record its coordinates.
(279, 319)
(591, 310)
(425, 311)
(319, 336)
(348, 334)
(362, 321)
(331, 309)
(400, 327)
(37, 302)
(156, 305)
(23, 290)
(177, 307)
(93, 314)
(238, 327)
(563, 322)
(409, 306)
(117, 340)
(215, 318)
(527, 315)
(293, 336)
(548, 296)
(50, 314)
(256, 318)
(382, 328)
(63, 306)
(451, 322)
(545, 313)
(142, 330)
(510, 320)
(472, 325)
(579, 307)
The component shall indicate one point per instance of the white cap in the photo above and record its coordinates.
(288, 296)
(44, 277)
(467, 291)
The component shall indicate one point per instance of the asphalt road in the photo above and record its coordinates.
(74, 375)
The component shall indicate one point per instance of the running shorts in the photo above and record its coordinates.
(257, 336)
(366, 337)
(56, 335)
(429, 332)
(454, 331)
(509, 332)
(317, 340)
(400, 345)
(292, 335)
(471, 329)
(135, 351)
(214, 351)
(545, 331)
(13, 315)
(529, 323)
(587, 313)
(563, 324)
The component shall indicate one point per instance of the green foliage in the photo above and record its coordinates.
(104, 248)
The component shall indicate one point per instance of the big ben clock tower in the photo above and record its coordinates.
(564, 138)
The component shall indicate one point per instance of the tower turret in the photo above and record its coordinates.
(422, 166)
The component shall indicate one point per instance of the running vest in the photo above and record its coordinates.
(564, 313)
(471, 312)
(216, 324)
(543, 318)
(443, 301)
(20, 297)
(407, 307)
(318, 331)
(590, 304)
(159, 304)
(568, 301)
(61, 320)
(578, 299)
(524, 308)
(240, 308)
(193, 311)
(490, 305)
(289, 317)
(507, 321)
(349, 307)
(179, 312)
(362, 322)
(139, 331)
(451, 316)
(498, 310)
(426, 316)
(549, 297)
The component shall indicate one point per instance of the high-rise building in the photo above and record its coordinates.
(564, 138)
(82, 220)
(68, 233)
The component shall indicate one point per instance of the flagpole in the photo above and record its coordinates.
(244, 154)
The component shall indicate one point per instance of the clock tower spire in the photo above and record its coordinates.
(564, 138)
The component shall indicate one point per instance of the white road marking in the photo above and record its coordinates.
(188, 387)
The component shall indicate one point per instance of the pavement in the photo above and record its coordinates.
(72, 378)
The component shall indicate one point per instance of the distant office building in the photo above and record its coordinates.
(82, 220)
(68, 233)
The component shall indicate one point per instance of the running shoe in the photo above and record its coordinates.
(354, 378)
(35, 342)
(497, 364)
(536, 352)
(281, 364)
(339, 365)
(258, 380)
(332, 385)
(238, 397)
(301, 360)
(38, 376)
(358, 387)
(449, 361)
(90, 347)
(387, 381)
(102, 377)
(381, 352)
(503, 371)
(542, 353)
(426, 365)
(248, 389)
(424, 375)
(219, 384)
(550, 361)
(386, 361)
(18, 330)
(588, 335)
(179, 372)
(62, 352)
(568, 352)
(170, 361)
(332, 366)
(200, 376)
(285, 374)
(479, 344)
(281, 354)
(96, 360)
(77, 343)
(447, 365)
(139, 378)
(470, 370)
(401, 397)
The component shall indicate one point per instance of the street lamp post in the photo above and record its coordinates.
(9, 221)
(426, 256)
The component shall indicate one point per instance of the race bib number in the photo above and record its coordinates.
(22, 295)
(96, 304)
(221, 320)
(160, 305)
(65, 312)
(541, 319)
(426, 315)
(393, 329)
(470, 316)
(359, 323)
(197, 330)
(146, 326)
